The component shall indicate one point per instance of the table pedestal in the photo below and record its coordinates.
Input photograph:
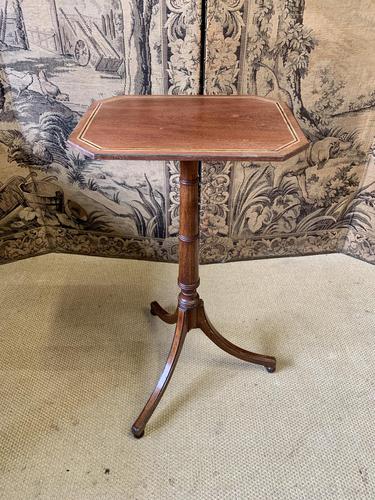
(190, 311)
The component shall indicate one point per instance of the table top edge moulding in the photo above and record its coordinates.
(189, 129)
(186, 128)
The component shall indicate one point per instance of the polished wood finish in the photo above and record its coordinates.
(179, 128)
(188, 274)
(157, 310)
(189, 127)
(182, 328)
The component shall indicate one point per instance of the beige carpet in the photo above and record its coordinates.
(79, 355)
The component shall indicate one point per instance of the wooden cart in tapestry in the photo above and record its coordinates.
(82, 38)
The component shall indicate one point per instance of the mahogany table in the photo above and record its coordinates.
(189, 129)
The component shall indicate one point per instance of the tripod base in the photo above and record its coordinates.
(186, 320)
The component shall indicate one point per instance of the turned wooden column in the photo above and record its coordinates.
(188, 275)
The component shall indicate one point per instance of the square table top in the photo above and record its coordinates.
(189, 128)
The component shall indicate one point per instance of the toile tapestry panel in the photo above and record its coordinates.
(56, 57)
(316, 56)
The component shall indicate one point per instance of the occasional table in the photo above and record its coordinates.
(189, 129)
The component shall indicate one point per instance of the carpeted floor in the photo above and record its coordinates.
(80, 353)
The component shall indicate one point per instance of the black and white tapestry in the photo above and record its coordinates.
(57, 56)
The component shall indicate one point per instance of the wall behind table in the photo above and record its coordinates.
(51, 197)
(316, 56)
(313, 55)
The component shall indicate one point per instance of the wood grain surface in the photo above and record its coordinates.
(189, 127)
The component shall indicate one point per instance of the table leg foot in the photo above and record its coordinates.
(138, 433)
(269, 362)
(181, 330)
(157, 310)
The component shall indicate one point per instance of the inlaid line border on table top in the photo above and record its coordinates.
(94, 112)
